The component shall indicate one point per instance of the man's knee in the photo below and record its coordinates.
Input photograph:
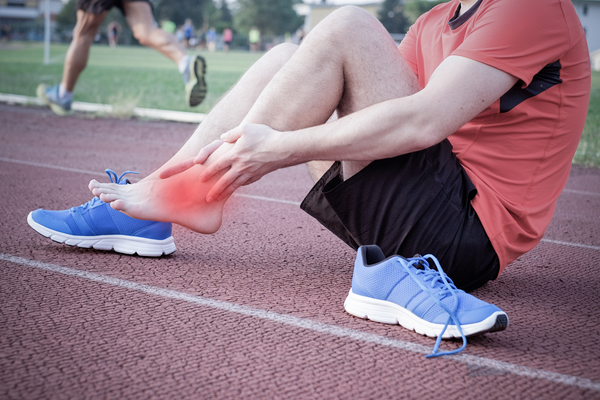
(349, 20)
(283, 51)
(142, 24)
(352, 14)
(141, 33)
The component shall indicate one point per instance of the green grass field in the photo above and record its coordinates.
(588, 152)
(136, 76)
(120, 76)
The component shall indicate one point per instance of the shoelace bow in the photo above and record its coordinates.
(443, 286)
(112, 175)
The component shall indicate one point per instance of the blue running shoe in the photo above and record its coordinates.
(408, 292)
(95, 224)
(49, 96)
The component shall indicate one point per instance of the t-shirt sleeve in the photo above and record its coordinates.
(408, 48)
(515, 36)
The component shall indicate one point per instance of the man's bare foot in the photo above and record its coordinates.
(180, 199)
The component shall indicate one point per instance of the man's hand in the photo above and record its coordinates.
(252, 153)
(184, 165)
(245, 153)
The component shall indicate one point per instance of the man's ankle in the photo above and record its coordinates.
(63, 93)
(184, 68)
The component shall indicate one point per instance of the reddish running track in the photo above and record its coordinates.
(256, 310)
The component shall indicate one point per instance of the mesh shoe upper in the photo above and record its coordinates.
(423, 291)
(96, 218)
(390, 280)
(52, 96)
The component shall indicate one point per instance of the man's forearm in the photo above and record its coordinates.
(406, 124)
(383, 130)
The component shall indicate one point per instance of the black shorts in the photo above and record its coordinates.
(417, 203)
(99, 6)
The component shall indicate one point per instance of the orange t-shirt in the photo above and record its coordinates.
(518, 152)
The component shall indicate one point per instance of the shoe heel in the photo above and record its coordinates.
(367, 308)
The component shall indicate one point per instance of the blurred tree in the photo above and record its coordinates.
(271, 17)
(68, 15)
(222, 18)
(178, 10)
(218, 16)
(414, 9)
(392, 16)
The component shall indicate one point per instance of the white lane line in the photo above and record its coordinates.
(498, 366)
(131, 178)
(583, 246)
(249, 196)
(168, 115)
(580, 192)
(41, 165)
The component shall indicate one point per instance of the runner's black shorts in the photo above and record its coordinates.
(417, 203)
(99, 6)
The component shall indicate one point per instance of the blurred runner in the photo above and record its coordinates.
(90, 14)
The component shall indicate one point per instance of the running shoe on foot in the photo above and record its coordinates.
(95, 224)
(195, 87)
(396, 290)
(49, 96)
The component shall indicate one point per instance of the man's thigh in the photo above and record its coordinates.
(95, 6)
(417, 203)
(138, 12)
(370, 66)
(362, 67)
(347, 63)
(88, 24)
(99, 6)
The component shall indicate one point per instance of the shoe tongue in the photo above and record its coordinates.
(419, 264)
(90, 203)
(422, 263)
(125, 182)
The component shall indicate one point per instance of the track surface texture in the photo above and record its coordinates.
(256, 310)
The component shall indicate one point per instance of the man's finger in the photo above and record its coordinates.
(242, 180)
(218, 165)
(232, 135)
(177, 168)
(225, 185)
(206, 151)
(228, 191)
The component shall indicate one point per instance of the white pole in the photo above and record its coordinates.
(47, 34)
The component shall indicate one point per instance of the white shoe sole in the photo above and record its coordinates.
(196, 89)
(120, 243)
(391, 313)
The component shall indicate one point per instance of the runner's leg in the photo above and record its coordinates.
(140, 19)
(77, 55)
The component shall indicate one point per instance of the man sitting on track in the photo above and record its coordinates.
(90, 14)
(456, 143)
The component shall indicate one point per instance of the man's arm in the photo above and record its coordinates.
(458, 91)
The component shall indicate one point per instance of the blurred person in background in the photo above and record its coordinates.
(254, 39)
(211, 39)
(90, 14)
(114, 30)
(227, 38)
